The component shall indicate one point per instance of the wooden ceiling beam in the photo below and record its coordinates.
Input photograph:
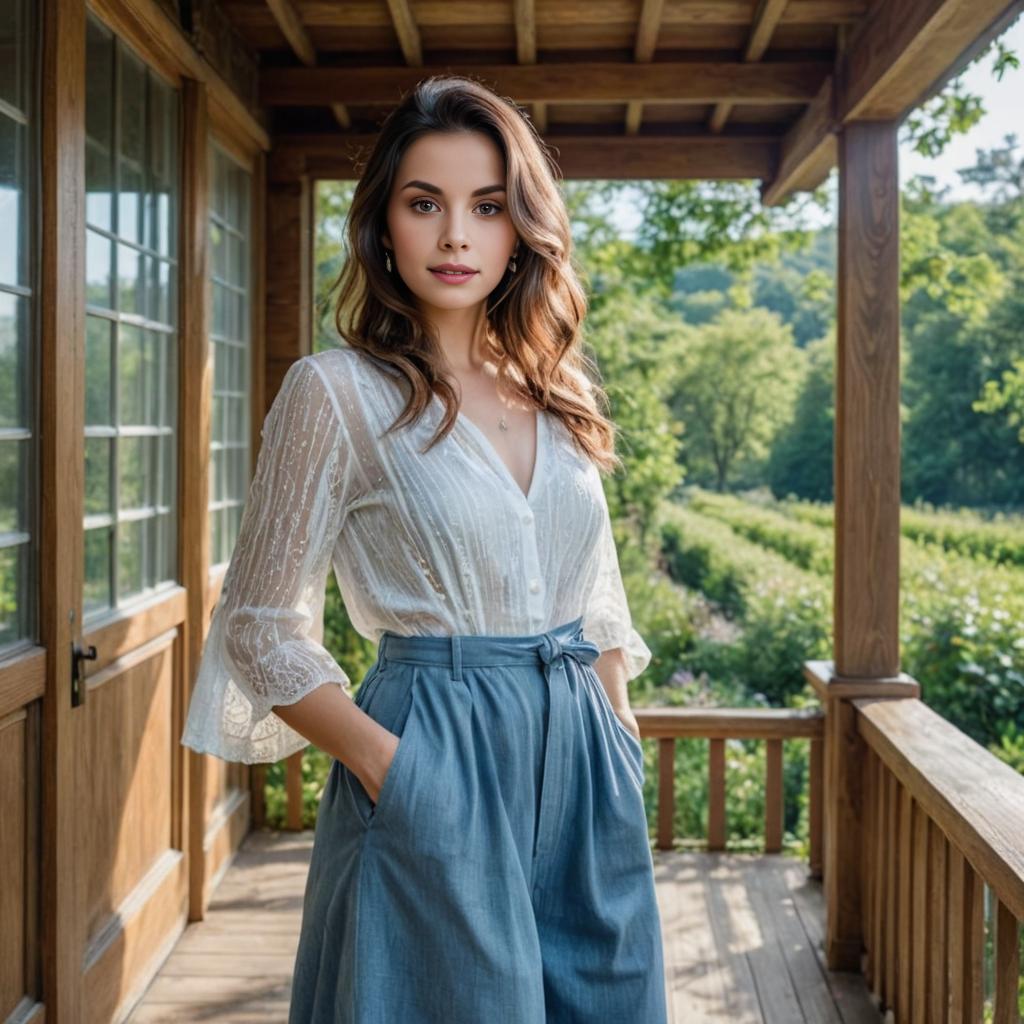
(584, 82)
(766, 18)
(291, 26)
(525, 14)
(408, 33)
(903, 53)
(330, 14)
(647, 29)
(601, 157)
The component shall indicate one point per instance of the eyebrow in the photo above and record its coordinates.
(425, 186)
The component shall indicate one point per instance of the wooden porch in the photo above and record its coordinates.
(128, 860)
(743, 937)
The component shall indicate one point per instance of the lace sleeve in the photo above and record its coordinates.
(264, 647)
(606, 616)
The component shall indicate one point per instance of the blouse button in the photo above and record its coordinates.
(534, 585)
(528, 517)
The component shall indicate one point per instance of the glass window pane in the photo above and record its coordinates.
(97, 371)
(131, 537)
(131, 355)
(96, 591)
(14, 574)
(130, 375)
(13, 35)
(19, 25)
(14, 376)
(98, 459)
(13, 485)
(131, 284)
(131, 108)
(13, 202)
(99, 270)
(99, 126)
(230, 253)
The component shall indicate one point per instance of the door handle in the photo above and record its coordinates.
(79, 655)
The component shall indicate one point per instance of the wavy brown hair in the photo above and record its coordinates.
(534, 316)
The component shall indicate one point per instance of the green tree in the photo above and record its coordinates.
(735, 389)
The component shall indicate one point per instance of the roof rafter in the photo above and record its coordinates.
(408, 32)
(647, 28)
(767, 16)
(526, 51)
(292, 28)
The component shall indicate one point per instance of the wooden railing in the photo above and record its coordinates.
(942, 817)
(773, 725)
(716, 725)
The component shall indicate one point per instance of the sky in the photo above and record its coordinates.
(1004, 114)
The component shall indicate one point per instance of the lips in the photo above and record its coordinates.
(453, 273)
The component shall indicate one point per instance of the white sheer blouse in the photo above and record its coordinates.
(437, 543)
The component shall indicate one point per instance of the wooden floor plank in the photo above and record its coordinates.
(817, 1004)
(740, 933)
(851, 994)
(776, 990)
(695, 985)
(735, 932)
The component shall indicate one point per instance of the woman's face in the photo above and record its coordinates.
(448, 206)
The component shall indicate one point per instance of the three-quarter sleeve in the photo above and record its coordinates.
(264, 646)
(606, 616)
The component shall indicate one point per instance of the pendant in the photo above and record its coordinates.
(502, 424)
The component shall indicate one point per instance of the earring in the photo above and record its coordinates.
(387, 260)
(512, 264)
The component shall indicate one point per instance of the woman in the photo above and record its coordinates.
(481, 850)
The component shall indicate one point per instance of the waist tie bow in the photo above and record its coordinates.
(553, 651)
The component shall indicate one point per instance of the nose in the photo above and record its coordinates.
(454, 234)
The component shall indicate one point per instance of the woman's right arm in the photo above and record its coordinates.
(272, 604)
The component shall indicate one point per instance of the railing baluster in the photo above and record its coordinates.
(773, 820)
(293, 788)
(814, 810)
(955, 932)
(905, 866)
(666, 791)
(892, 883)
(938, 893)
(920, 946)
(974, 944)
(879, 870)
(868, 871)
(1007, 955)
(716, 794)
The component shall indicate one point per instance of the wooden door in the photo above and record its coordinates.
(110, 405)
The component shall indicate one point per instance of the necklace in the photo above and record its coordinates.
(502, 425)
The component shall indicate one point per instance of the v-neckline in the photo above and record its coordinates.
(488, 446)
(461, 419)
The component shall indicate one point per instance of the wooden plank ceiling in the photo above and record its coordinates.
(622, 89)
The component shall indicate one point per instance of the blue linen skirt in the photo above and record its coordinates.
(505, 874)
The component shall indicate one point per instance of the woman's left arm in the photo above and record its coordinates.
(611, 669)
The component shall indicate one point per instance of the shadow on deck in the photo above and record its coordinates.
(742, 937)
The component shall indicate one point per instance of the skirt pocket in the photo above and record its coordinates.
(636, 748)
(392, 706)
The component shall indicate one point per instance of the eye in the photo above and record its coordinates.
(416, 204)
(497, 208)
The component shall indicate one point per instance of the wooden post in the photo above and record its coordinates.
(61, 470)
(867, 505)
(196, 376)
(289, 275)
